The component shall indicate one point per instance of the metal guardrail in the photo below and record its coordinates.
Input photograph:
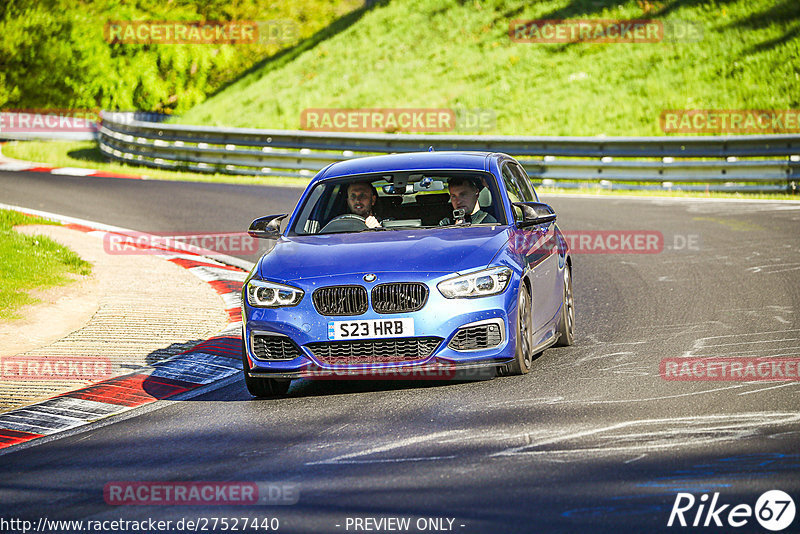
(704, 163)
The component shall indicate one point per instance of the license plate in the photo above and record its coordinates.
(373, 328)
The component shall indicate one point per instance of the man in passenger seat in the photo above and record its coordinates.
(464, 196)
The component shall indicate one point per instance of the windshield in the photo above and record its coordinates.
(396, 201)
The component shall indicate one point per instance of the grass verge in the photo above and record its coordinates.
(743, 54)
(31, 262)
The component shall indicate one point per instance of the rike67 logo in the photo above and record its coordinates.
(774, 510)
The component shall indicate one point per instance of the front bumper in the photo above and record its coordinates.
(440, 317)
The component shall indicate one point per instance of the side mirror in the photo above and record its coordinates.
(534, 213)
(268, 227)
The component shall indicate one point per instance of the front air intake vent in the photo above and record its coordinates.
(401, 297)
(371, 351)
(477, 337)
(272, 347)
(340, 300)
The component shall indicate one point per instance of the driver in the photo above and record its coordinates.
(361, 198)
(464, 196)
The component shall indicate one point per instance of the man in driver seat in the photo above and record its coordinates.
(464, 196)
(361, 198)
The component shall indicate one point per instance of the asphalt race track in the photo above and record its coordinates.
(592, 440)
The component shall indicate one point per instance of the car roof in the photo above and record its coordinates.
(409, 161)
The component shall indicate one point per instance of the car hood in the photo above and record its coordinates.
(443, 250)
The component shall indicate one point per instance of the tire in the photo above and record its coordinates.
(262, 387)
(566, 322)
(523, 358)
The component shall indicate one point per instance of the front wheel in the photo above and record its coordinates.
(262, 387)
(566, 322)
(523, 356)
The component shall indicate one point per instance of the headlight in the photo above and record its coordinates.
(263, 294)
(480, 284)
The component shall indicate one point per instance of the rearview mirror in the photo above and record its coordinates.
(427, 184)
(534, 213)
(268, 227)
(398, 189)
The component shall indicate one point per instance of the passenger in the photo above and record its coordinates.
(464, 196)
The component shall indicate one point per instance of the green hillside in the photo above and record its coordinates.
(55, 54)
(458, 54)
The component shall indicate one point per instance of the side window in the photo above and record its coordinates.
(305, 223)
(514, 194)
(318, 206)
(524, 182)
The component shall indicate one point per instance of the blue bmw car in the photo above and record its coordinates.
(407, 264)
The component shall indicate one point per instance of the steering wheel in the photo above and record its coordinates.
(349, 222)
